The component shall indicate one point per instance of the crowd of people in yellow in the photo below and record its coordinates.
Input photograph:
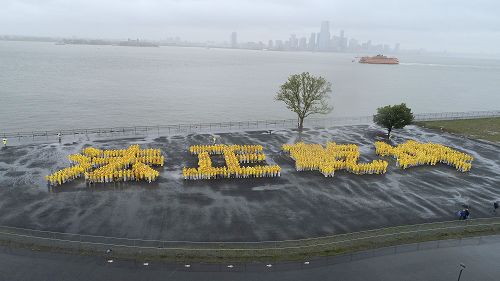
(314, 157)
(134, 163)
(103, 166)
(233, 156)
(412, 153)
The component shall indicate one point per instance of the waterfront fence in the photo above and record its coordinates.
(419, 235)
(267, 125)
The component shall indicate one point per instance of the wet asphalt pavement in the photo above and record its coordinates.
(297, 205)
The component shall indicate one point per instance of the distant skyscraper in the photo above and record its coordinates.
(343, 41)
(396, 48)
(312, 41)
(324, 36)
(270, 44)
(234, 40)
(294, 42)
(303, 43)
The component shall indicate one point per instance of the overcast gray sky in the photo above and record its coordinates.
(453, 25)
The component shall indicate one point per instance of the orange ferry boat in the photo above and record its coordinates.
(379, 59)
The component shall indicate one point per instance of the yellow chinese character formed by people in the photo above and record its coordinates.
(104, 166)
(412, 153)
(314, 157)
(233, 155)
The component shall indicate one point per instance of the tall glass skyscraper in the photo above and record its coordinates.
(324, 36)
(234, 40)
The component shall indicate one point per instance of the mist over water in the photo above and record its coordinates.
(47, 86)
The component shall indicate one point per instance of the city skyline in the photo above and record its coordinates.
(323, 41)
(456, 26)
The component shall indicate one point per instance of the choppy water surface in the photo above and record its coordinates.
(47, 86)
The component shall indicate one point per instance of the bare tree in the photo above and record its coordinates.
(305, 95)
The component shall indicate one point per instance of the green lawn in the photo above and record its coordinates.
(484, 128)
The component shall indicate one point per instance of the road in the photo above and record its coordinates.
(480, 255)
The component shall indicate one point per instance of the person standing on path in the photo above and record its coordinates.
(4, 140)
(464, 214)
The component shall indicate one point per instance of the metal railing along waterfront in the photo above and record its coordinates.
(456, 115)
(333, 244)
(232, 126)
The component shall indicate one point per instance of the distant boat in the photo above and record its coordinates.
(379, 59)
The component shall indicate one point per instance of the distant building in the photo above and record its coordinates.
(367, 46)
(270, 44)
(294, 42)
(387, 48)
(234, 40)
(324, 36)
(396, 48)
(279, 45)
(312, 41)
(354, 45)
(335, 43)
(286, 45)
(343, 41)
(251, 45)
(303, 43)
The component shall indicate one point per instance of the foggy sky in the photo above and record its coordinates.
(453, 25)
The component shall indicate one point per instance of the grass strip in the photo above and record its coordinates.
(481, 128)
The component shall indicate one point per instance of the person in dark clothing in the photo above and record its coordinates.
(463, 214)
(495, 207)
(466, 214)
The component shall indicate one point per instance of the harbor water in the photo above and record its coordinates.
(45, 86)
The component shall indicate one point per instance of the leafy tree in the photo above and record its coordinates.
(393, 117)
(305, 95)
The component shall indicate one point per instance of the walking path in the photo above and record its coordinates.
(481, 257)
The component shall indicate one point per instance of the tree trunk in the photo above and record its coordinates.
(301, 124)
(389, 132)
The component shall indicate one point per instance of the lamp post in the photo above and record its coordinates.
(462, 267)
